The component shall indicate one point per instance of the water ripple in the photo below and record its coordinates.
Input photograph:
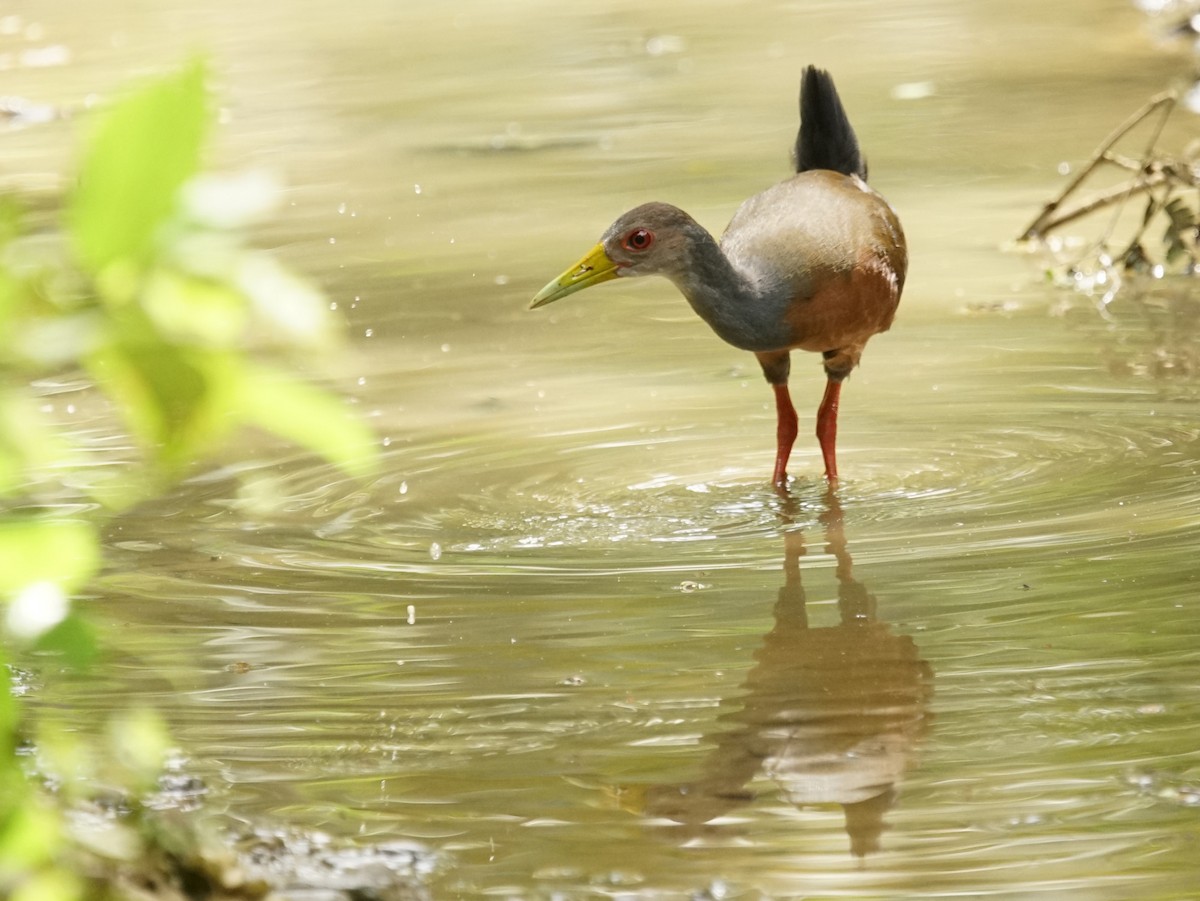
(1059, 480)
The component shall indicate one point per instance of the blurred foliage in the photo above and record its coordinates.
(148, 289)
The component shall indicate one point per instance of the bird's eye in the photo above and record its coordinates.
(638, 240)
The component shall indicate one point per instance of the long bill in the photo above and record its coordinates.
(593, 269)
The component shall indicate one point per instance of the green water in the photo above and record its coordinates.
(570, 642)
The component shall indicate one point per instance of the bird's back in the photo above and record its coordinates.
(822, 247)
(827, 250)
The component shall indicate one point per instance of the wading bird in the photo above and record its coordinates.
(816, 263)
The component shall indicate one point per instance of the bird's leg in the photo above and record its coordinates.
(787, 425)
(827, 427)
(776, 365)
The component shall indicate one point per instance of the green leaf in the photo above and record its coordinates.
(143, 150)
(1181, 222)
(10, 719)
(12, 302)
(138, 741)
(175, 399)
(26, 442)
(197, 310)
(308, 416)
(73, 639)
(30, 835)
(50, 885)
(60, 552)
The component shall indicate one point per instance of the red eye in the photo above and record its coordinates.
(638, 240)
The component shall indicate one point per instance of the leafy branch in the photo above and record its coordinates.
(149, 291)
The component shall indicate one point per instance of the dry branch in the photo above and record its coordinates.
(1148, 173)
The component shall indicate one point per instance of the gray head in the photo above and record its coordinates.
(652, 239)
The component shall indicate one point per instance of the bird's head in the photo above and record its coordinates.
(652, 239)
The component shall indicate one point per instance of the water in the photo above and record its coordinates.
(570, 643)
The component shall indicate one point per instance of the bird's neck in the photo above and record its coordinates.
(735, 302)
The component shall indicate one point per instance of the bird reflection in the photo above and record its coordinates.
(831, 714)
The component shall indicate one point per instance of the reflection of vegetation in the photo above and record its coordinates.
(147, 289)
(1153, 221)
(1149, 334)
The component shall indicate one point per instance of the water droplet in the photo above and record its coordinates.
(416, 189)
(404, 487)
(342, 209)
(333, 240)
(412, 613)
(369, 332)
(435, 551)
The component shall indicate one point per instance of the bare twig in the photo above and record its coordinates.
(1147, 178)
(1118, 194)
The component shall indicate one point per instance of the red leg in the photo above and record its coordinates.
(827, 428)
(785, 432)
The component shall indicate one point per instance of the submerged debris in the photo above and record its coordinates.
(302, 866)
(172, 856)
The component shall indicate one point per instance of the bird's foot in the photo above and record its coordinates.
(782, 485)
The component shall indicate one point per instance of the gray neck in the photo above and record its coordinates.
(739, 305)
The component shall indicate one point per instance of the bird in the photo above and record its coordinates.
(816, 262)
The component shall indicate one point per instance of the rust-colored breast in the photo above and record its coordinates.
(847, 265)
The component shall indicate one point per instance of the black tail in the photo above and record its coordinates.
(826, 139)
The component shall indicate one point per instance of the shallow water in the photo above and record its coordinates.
(570, 642)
